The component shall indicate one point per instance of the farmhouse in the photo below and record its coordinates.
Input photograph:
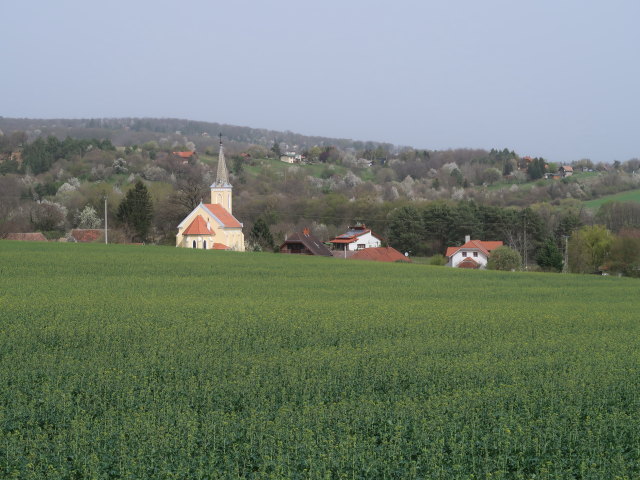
(357, 237)
(212, 225)
(473, 254)
(304, 243)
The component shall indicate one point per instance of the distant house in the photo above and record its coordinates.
(358, 237)
(291, 157)
(304, 243)
(189, 156)
(86, 235)
(473, 254)
(27, 237)
(380, 254)
(565, 171)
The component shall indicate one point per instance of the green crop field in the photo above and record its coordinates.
(628, 196)
(155, 362)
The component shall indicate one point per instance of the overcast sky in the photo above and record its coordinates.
(558, 79)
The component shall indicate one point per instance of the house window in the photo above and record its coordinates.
(464, 254)
(194, 244)
(204, 245)
(361, 246)
(475, 254)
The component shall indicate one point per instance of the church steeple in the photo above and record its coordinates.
(222, 178)
(221, 188)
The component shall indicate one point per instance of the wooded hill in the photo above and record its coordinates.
(53, 170)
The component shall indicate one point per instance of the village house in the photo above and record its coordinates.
(291, 157)
(565, 171)
(304, 243)
(380, 254)
(473, 254)
(357, 237)
(212, 226)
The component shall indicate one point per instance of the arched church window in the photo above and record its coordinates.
(204, 245)
(194, 244)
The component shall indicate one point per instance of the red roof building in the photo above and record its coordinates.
(380, 254)
(358, 237)
(473, 254)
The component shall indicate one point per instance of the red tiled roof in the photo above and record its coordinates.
(27, 237)
(484, 247)
(198, 227)
(184, 154)
(220, 246)
(468, 263)
(380, 254)
(221, 214)
(86, 235)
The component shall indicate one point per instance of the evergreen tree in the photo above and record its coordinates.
(549, 257)
(260, 236)
(135, 212)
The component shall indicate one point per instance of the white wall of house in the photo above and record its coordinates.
(476, 255)
(364, 241)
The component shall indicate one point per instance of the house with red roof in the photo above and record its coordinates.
(380, 254)
(212, 226)
(356, 238)
(472, 254)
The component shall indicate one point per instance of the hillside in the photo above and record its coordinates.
(51, 171)
(116, 363)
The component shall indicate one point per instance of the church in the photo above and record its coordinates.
(212, 226)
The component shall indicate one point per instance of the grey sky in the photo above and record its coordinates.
(557, 79)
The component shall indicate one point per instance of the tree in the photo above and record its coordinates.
(536, 168)
(625, 256)
(88, 218)
(504, 258)
(276, 149)
(549, 257)
(260, 236)
(48, 216)
(589, 247)
(406, 231)
(135, 212)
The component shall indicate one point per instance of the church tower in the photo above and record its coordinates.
(221, 189)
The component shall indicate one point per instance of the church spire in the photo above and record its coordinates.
(222, 178)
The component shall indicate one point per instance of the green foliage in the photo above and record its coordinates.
(504, 258)
(589, 247)
(123, 368)
(260, 236)
(39, 155)
(536, 168)
(625, 256)
(136, 211)
(549, 257)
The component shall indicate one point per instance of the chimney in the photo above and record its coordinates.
(467, 238)
(305, 232)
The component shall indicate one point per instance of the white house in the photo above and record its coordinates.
(473, 254)
(358, 237)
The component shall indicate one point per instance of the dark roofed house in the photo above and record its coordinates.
(86, 235)
(27, 237)
(304, 243)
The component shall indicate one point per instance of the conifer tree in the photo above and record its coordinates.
(135, 212)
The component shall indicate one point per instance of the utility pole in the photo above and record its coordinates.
(105, 221)
(565, 262)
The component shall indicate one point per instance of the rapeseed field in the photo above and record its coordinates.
(149, 362)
